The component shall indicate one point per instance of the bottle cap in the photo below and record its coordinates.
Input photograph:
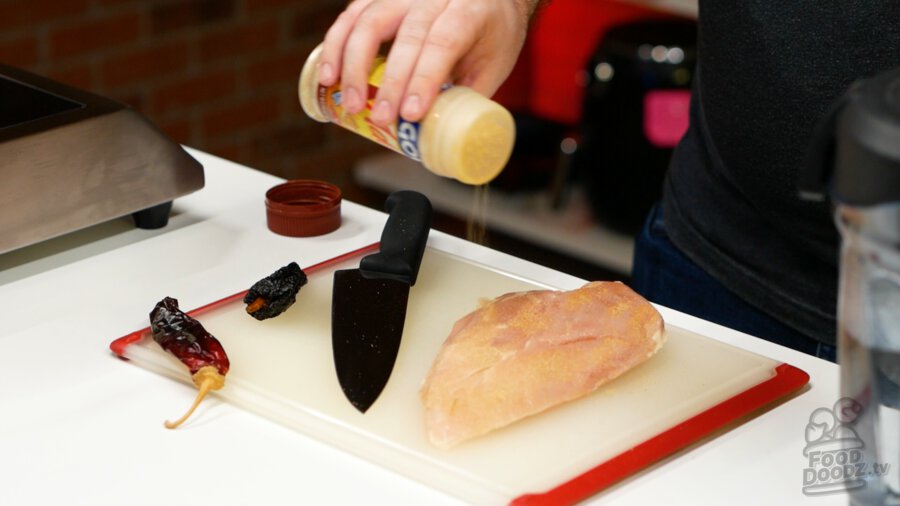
(303, 208)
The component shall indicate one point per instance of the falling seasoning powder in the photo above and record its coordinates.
(476, 222)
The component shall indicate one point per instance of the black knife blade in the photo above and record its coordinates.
(368, 307)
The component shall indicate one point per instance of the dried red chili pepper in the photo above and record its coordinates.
(272, 295)
(186, 339)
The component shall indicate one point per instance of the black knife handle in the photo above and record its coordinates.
(402, 240)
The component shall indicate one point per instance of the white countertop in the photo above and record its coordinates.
(82, 427)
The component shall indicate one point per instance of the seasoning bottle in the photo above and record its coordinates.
(464, 135)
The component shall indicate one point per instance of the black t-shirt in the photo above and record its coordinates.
(768, 71)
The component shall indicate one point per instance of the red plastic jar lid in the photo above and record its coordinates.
(303, 208)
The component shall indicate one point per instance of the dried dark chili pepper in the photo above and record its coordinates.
(186, 339)
(272, 295)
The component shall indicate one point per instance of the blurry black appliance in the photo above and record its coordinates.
(635, 111)
(70, 159)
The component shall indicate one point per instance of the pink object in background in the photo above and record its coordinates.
(666, 116)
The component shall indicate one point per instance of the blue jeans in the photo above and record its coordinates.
(664, 275)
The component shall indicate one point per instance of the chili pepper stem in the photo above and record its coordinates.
(206, 378)
(256, 305)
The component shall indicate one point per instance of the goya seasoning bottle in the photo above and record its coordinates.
(465, 135)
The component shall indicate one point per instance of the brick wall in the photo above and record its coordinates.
(219, 75)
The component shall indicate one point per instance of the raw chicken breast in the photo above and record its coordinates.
(524, 352)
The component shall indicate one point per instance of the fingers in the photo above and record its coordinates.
(402, 59)
(335, 38)
(375, 24)
(476, 41)
(450, 37)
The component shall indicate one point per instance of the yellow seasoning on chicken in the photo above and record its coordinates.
(464, 135)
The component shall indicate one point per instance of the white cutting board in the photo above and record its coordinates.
(283, 369)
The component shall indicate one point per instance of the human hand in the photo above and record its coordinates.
(473, 43)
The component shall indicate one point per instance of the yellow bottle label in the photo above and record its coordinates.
(402, 136)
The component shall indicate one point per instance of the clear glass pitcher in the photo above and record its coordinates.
(855, 159)
(869, 347)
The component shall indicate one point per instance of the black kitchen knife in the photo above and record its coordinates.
(368, 306)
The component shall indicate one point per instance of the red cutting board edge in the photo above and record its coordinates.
(786, 380)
